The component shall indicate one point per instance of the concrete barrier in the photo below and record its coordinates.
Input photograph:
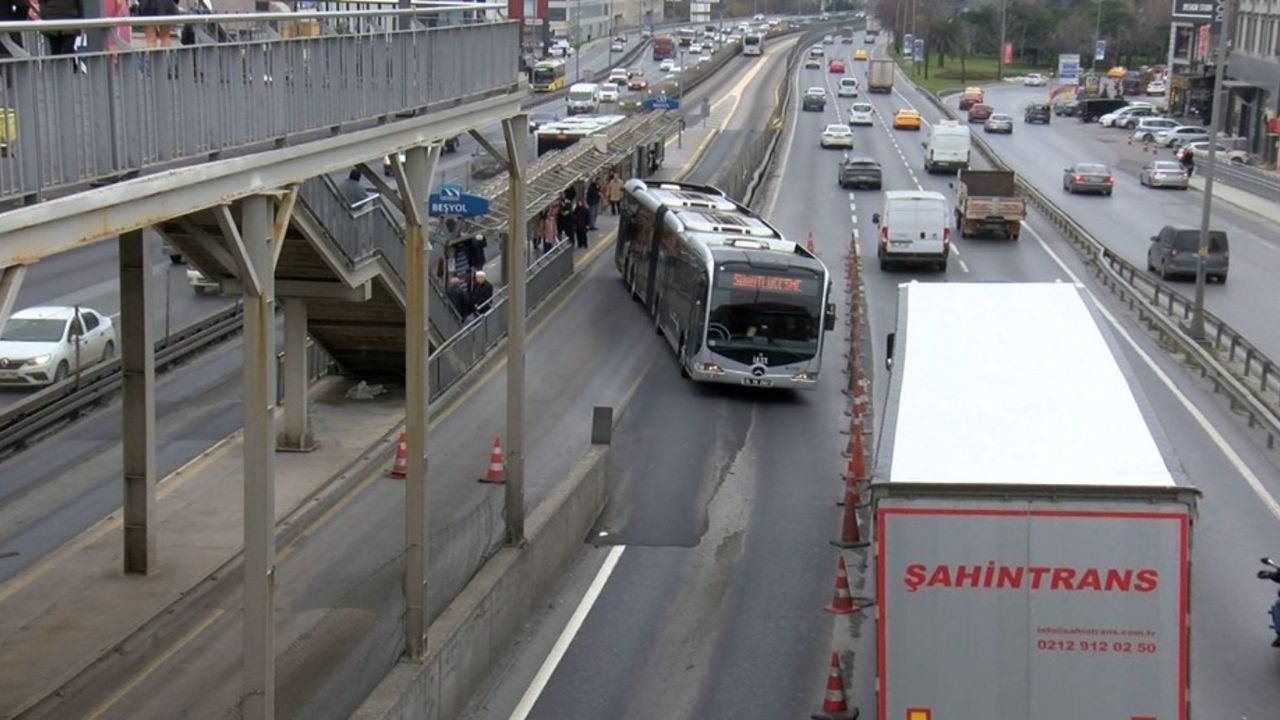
(470, 637)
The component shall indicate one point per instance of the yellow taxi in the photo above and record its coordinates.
(906, 118)
(859, 54)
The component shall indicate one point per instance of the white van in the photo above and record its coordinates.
(848, 87)
(947, 147)
(584, 98)
(914, 228)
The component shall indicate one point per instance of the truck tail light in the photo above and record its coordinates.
(884, 236)
(1173, 252)
(946, 238)
(1110, 180)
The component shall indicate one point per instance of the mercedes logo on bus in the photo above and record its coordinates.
(758, 370)
(759, 365)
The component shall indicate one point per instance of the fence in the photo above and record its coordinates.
(98, 117)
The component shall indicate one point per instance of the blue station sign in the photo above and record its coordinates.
(660, 102)
(451, 199)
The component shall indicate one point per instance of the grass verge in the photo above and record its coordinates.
(977, 70)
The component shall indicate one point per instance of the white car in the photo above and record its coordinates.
(704, 58)
(848, 87)
(695, 48)
(1148, 128)
(1034, 80)
(43, 345)
(1200, 151)
(616, 46)
(1181, 135)
(1157, 87)
(812, 63)
(667, 65)
(618, 76)
(609, 92)
(861, 114)
(836, 135)
(1117, 118)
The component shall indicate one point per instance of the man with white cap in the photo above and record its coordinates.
(481, 293)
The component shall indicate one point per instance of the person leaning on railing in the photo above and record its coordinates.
(13, 11)
(157, 35)
(61, 42)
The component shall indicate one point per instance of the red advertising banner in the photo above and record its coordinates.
(1007, 52)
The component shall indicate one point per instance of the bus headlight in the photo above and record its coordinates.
(805, 376)
(710, 367)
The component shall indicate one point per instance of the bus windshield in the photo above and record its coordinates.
(751, 40)
(756, 314)
(543, 74)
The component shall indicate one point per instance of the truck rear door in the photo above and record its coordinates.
(917, 226)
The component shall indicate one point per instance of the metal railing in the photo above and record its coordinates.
(98, 117)
(1263, 183)
(1235, 366)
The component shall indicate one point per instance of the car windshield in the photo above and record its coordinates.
(33, 329)
(1166, 166)
(837, 129)
(1093, 169)
(1000, 118)
(860, 108)
(816, 91)
(1189, 241)
(582, 95)
(609, 87)
(774, 314)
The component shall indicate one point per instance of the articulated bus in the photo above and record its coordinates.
(737, 302)
(664, 46)
(753, 44)
(548, 76)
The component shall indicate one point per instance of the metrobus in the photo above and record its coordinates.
(736, 301)
(664, 46)
(686, 36)
(753, 44)
(548, 76)
(563, 133)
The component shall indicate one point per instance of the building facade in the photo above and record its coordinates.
(585, 20)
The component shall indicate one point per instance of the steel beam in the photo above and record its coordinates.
(138, 404)
(414, 179)
(284, 213)
(297, 435)
(489, 148)
(307, 290)
(48, 228)
(258, 671)
(10, 283)
(515, 131)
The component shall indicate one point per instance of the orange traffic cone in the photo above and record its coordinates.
(400, 467)
(497, 472)
(850, 534)
(842, 603)
(834, 704)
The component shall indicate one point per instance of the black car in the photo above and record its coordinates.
(1069, 107)
(1094, 108)
(859, 172)
(1037, 113)
(814, 99)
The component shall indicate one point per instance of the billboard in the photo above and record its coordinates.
(1031, 609)
(1069, 68)
(1201, 10)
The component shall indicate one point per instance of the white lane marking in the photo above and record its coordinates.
(540, 680)
(855, 234)
(963, 266)
(855, 219)
(851, 198)
(853, 206)
(1229, 452)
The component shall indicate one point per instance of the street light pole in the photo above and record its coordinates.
(577, 41)
(1004, 4)
(1196, 328)
(1097, 35)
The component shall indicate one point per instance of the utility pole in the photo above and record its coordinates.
(1004, 5)
(1223, 12)
(1097, 36)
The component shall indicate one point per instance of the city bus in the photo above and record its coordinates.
(563, 133)
(737, 302)
(753, 44)
(548, 76)
(664, 46)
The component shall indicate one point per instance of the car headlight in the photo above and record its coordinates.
(805, 376)
(40, 359)
(710, 367)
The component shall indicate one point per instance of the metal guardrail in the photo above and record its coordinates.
(1263, 183)
(99, 117)
(1235, 366)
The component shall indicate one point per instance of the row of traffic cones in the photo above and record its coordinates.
(496, 473)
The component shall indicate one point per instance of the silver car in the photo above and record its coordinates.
(1163, 173)
(1088, 177)
(998, 123)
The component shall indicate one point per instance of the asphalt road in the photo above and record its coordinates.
(724, 502)
(338, 599)
(1126, 221)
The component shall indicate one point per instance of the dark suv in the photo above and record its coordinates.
(1037, 113)
(860, 172)
(814, 99)
(1173, 252)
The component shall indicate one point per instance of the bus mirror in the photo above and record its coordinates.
(875, 218)
(829, 322)
(888, 351)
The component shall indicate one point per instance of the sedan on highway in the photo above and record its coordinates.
(999, 123)
(1157, 87)
(666, 65)
(836, 135)
(980, 112)
(836, 65)
(1148, 128)
(637, 82)
(617, 47)
(906, 119)
(1181, 135)
(608, 93)
(1088, 177)
(815, 98)
(812, 63)
(1163, 173)
(859, 172)
(1034, 80)
(861, 114)
(860, 54)
(43, 345)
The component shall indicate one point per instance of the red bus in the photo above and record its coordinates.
(664, 46)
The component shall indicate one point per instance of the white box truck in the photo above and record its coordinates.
(947, 146)
(1031, 544)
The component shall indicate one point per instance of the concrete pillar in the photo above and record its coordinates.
(138, 404)
(258, 672)
(10, 283)
(515, 131)
(297, 435)
(414, 184)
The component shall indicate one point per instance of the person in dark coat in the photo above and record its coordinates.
(1188, 162)
(564, 221)
(459, 297)
(593, 203)
(481, 293)
(62, 42)
(570, 195)
(13, 11)
(581, 222)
